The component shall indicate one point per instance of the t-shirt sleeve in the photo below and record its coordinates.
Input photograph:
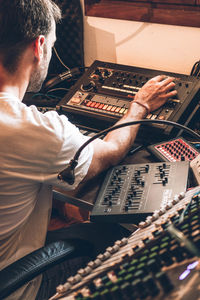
(63, 139)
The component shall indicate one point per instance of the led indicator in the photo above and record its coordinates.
(188, 270)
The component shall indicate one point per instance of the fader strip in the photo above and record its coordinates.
(129, 193)
(150, 264)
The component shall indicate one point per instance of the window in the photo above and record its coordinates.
(174, 12)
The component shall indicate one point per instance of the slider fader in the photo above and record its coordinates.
(159, 261)
(130, 193)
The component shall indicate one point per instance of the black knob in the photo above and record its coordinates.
(88, 85)
(97, 72)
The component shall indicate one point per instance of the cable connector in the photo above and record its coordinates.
(67, 174)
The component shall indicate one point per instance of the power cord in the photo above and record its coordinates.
(60, 60)
(196, 69)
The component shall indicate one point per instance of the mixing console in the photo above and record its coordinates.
(159, 261)
(130, 193)
(104, 92)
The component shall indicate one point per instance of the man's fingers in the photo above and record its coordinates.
(171, 94)
(170, 86)
(168, 80)
(163, 79)
(157, 78)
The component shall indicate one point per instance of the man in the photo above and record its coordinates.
(35, 147)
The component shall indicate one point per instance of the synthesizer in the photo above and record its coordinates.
(103, 93)
(160, 261)
(129, 193)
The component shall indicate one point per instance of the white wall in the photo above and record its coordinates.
(162, 47)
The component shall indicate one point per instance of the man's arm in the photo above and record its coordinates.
(113, 148)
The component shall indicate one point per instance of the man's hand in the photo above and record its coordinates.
(156, 92)
(111, 150)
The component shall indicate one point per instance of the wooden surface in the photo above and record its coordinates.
(177, 12)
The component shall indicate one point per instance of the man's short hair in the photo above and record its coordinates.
(21, 22)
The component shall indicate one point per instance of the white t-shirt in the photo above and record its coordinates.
(35, 147)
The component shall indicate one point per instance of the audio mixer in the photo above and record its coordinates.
(103, 94)
(160, 261)
(130, 193)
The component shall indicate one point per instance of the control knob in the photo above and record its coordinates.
(88, 86)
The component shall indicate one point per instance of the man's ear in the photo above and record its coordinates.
(38, 47)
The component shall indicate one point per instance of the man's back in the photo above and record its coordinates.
(31, 151)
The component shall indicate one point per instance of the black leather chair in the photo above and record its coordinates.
(25, 269)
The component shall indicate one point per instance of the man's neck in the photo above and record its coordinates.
(12, 84)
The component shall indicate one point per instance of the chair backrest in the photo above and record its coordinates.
(35, 263)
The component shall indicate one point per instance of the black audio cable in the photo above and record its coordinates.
(67, 174)
(196, 69)
(60, 60)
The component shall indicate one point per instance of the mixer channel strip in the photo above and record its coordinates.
(152, 263)
(131, 192)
